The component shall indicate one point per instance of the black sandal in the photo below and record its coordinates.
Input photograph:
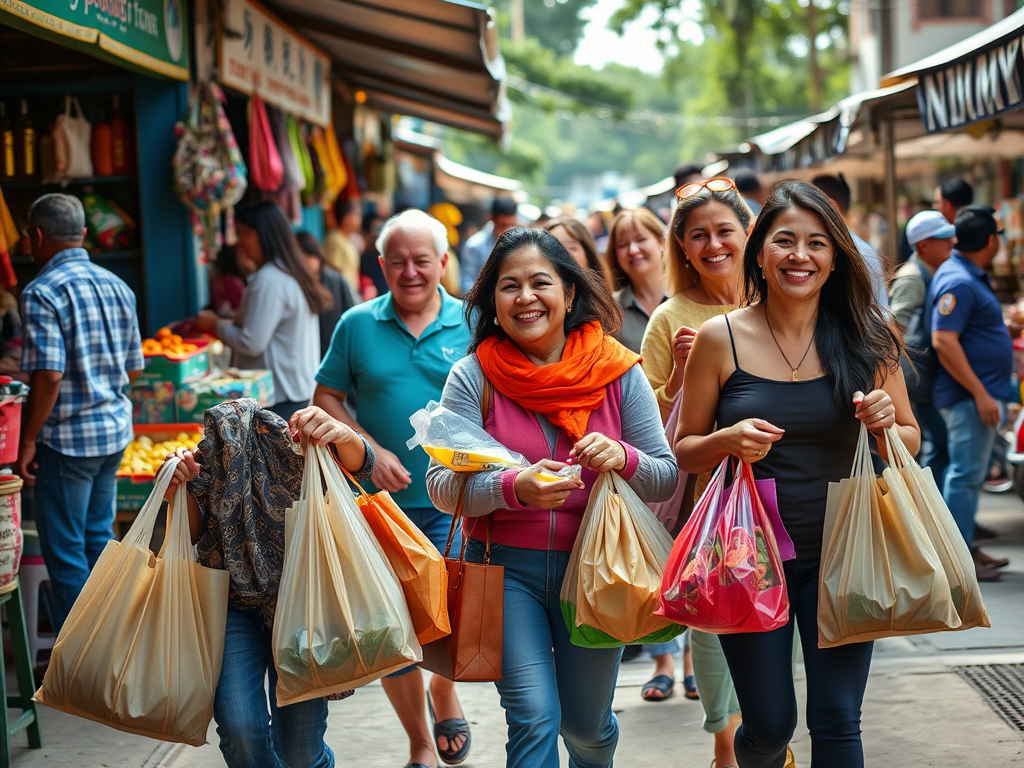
(450, 728)
(662, 683)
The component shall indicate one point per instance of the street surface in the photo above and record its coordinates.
(917, 712)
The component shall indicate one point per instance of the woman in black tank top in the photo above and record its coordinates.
(785, 384)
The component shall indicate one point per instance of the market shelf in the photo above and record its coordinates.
(129, 178)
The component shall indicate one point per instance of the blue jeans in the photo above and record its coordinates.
(934, 449)
(550, 686)
(761, 664)
(435, 526)
(970, 453)
(74, 508)
(250, 736)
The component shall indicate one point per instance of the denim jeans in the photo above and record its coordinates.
(762, 671)
(970, 453)
(74, 508)
(550, 686)
(934, 448)
(250, 736)
(435, 525)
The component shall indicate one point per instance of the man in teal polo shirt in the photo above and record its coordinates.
(394, 353)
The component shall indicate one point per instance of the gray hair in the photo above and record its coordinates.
(60, 217)
(414, 220)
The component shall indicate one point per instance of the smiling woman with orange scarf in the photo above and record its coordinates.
(560, 389)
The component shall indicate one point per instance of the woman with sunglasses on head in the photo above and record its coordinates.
(707, 235)
(636, 259)
(781, 384)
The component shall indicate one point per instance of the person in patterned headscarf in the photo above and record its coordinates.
(250, 473)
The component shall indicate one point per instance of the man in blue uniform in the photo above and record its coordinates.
(975, 354)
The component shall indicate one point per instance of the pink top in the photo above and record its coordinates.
(519, 525)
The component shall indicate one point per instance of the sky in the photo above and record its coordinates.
(636, 48)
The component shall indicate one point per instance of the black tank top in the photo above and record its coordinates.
(817, 448)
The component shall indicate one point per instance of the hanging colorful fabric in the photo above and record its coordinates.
(339, 171)
(209, 173)
(301, 154)
(287, 196)
(267, 165)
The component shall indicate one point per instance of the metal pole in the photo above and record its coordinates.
(889, 149)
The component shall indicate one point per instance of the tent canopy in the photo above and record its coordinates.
(434, 59)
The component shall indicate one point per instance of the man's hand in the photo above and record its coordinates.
(988, 410)
(26, 466)
(388, 472)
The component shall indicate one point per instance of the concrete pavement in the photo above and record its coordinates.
(917, 712)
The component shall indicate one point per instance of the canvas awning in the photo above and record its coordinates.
(433, 59)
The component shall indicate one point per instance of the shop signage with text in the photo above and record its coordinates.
(977, 87)
(150, 34)
(259, 54)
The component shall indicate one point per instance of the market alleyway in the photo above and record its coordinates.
(918, 711)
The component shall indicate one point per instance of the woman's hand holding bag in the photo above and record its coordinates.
(141, 649)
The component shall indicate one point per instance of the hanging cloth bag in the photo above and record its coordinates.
(612, 584)
(341, 619)
(142, 647)
(72, 143)
(880, 573)
(267, 168)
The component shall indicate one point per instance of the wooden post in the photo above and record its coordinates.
(889, 149)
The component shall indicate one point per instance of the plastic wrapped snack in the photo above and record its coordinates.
(457, 443)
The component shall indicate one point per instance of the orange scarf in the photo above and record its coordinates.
(567, 391)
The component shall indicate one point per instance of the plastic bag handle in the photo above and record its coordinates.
(141, 531)
(177, 544)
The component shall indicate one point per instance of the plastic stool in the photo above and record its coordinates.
(29, 719)
(32, 574)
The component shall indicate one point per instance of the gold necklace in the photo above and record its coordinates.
(806, 352)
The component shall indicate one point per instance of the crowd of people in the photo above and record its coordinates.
(753, 323)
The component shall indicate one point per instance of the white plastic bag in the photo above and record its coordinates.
(342, 620)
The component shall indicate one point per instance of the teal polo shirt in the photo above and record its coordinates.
(394, 374)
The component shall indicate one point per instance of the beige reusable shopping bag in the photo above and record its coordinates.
(141, 649)
(953, 552)
(342, 620)
(880, 573)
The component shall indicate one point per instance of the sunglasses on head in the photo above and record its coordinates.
(712, 185)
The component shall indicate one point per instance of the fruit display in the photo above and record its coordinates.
(167, 343)
(147, 452)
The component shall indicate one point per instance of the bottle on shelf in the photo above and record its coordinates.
(8, 169)
(102, 148)
(123, 147)
(25, 144)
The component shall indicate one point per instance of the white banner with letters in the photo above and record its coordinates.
(260, 54)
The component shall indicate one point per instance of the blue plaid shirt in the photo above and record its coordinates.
(80, 319)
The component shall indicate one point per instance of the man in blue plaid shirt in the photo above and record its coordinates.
(82, 346)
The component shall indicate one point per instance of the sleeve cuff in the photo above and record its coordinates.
(632, 461)
(508, 489)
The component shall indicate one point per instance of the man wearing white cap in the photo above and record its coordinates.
(931, 236)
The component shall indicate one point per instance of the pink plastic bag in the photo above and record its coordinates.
(724, 574)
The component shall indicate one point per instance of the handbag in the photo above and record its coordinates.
(472, 653)
(72, 143)
(142, 647)
(265, 161)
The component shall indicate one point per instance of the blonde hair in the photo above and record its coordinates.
(682, 276)
(636, 218)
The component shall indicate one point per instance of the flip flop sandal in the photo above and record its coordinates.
(690, 688)
(661, 683)
(450, 728)
(417, 765)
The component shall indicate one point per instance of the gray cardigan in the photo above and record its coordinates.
(655, 477)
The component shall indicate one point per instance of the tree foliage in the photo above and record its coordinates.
(555, 24)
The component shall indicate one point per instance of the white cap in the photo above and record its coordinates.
(929, 224)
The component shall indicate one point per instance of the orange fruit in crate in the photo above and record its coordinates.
(163, 333)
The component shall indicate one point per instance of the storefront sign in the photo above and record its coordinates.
(259, 54)
(150, 34)
(974, 88)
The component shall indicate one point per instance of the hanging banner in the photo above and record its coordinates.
(260, 54)
(148, 34)
(976, 87)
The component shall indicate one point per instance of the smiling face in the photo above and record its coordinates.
(798, 255)
(412, 268)
(572, 245)
(638, 251)
(530, 303)
(713, 241)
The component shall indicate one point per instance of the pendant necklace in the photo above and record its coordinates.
(806, 352)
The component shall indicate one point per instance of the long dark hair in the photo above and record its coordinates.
(855, 340)
(279, 245)
(592, 301)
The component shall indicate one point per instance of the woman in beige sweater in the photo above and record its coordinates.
(704, 251)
